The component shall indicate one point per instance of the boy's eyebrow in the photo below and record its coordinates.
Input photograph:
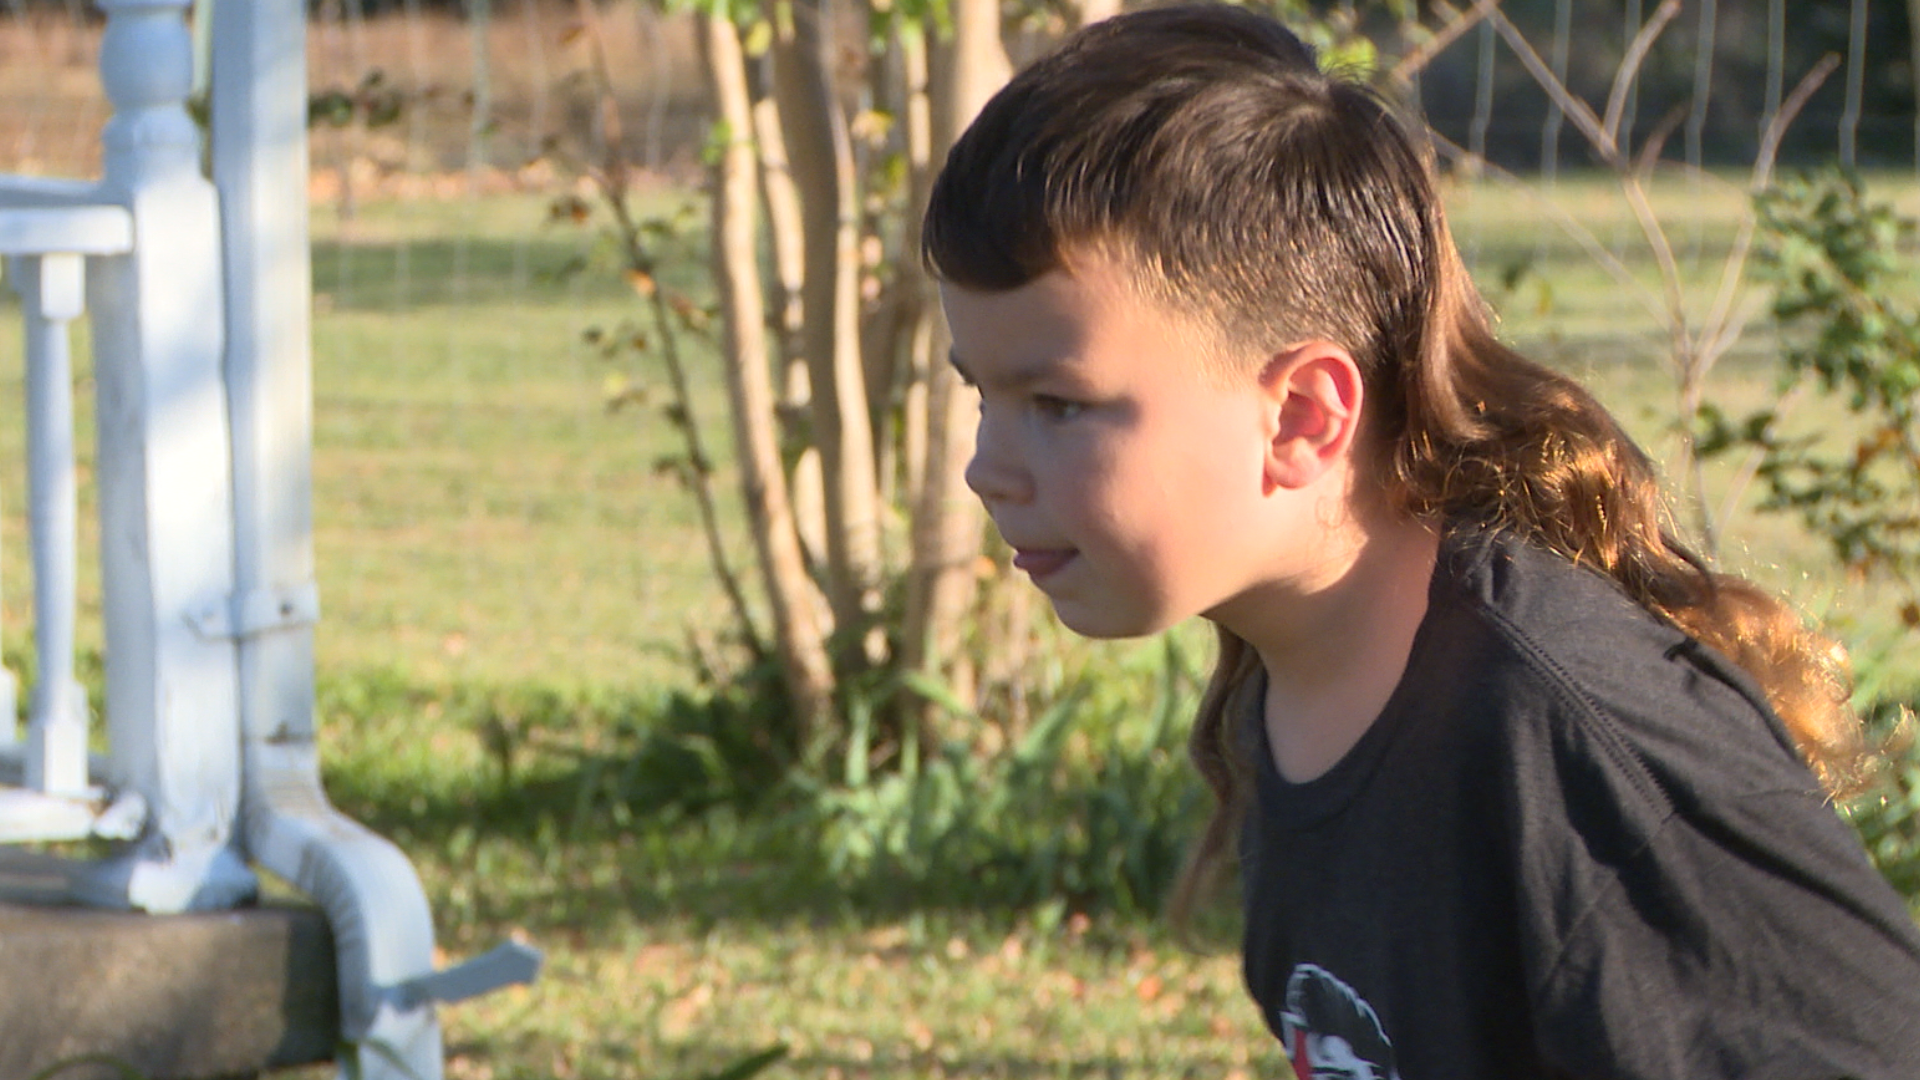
(1013, 377)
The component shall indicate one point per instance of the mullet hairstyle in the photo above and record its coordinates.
(1246, 190)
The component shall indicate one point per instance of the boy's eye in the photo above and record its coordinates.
(1056, 408)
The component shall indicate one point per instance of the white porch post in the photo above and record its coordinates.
(381, 923)
(164, 481)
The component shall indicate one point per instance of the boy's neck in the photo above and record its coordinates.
(1335, 647)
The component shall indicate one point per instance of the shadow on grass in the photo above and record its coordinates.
(978, 1066)
(580, 812)
(536, 807)
(706, 1059)
(576, 812)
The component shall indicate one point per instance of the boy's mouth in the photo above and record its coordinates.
(1042, 562)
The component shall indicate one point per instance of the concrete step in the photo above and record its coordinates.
(197, 996)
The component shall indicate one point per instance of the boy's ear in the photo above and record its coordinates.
(1314, 394)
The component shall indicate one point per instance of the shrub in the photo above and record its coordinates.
(1091, 807)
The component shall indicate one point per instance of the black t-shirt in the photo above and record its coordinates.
(1575, 843)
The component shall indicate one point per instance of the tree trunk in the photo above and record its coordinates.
(913, 285)
(1913, 69)
(822, 156)
(786, 231)
(799, 639)
(947, 524)
(973, 65)
(1092, 11)
(787, 238)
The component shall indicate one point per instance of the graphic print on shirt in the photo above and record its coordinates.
(1330, 1033)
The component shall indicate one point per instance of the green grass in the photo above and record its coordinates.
(479, 512)
(918, 999)
(508, 589)
(679, 943)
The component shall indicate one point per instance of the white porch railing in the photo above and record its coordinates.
(54, 796)
(139, 250)
(198, 294)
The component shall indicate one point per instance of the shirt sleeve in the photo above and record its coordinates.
(1690, 935)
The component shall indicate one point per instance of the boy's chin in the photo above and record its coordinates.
(1106, 626)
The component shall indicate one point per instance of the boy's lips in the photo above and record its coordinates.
(1040, 562)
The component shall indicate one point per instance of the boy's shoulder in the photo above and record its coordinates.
(1572, 666)
(1540, 595)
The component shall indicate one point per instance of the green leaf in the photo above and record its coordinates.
(936, 690)
(1355, 58)
(759, 39)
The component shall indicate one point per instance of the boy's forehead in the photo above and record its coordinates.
(1077, 292)
(1065, 322)
(1055, 312)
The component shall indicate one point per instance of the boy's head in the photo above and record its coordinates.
(1201, 147)
(1182, 265)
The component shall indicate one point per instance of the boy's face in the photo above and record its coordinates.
(1125, 475)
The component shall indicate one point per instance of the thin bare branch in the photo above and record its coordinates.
(612, 178)
(1568, 224)
(611, 169)
(1458, 23)
(1576, 110)
(1724, 325)
(1663, 257)
(1649, 153)
(1629, 70)
(1790, 108)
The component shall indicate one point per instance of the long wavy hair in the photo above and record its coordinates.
(1248, 190)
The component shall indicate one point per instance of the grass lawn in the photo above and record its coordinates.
(480, 513)
(485, 526)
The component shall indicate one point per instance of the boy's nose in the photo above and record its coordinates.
(995, 473)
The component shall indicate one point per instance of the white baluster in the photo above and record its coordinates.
(51, 287)
(46, 247)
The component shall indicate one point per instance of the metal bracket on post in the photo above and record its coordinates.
(257, 611)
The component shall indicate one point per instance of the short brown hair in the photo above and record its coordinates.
(1204, 147)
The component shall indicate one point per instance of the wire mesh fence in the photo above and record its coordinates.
(465, 390)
